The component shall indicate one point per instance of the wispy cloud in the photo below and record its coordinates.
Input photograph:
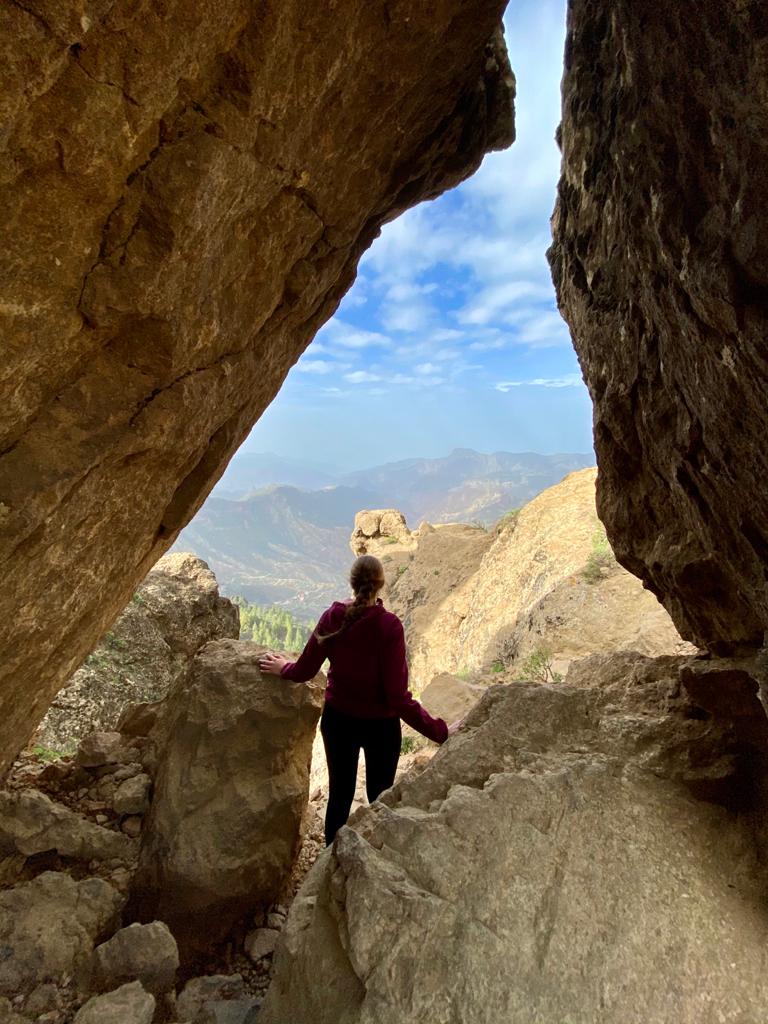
(315, 366)
(570, 380)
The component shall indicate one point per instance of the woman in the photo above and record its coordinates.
(367, 692)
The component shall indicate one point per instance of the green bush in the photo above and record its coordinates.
(497, 666)
(407, 745)
(601, 557)
(537, 667)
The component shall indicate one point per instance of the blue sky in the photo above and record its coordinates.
(450, 337)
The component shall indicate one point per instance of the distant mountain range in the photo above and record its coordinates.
(285, 540)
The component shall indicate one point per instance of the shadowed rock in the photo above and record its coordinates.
(661, 271)
(187, 193)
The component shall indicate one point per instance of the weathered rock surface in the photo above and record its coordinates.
(129, 1004)
(31, 823)
(48, 928)
(141, 952)
(661, 273)
(230, 791)
(133, 795)
(551, 863)
(544, 578)
(385, 526)
(449, 697)
(186, 202)
(175, 611)
(198, 991)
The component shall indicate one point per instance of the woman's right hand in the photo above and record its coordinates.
(455, 726)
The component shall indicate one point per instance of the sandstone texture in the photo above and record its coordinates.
(661, 272)
(49, 926)
(129, 1004)
(141, 952)
(542, 583)
(554, 862)
(175, 612)
(231, 788)
(187, 192)
(31, 823)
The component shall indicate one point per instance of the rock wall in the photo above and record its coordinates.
(543, 580)
(175, 612)
(661, 272)
(187, 193)
(555, 861)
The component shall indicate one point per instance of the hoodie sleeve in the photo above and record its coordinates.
(311, 658)
(399, 698)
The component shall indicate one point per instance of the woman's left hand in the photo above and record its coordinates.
(272, 664)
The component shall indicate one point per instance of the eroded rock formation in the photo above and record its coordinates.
(660, 265)
(231, 787)
(176, 611)
(555, 861)
(543, 580)
(187, 194)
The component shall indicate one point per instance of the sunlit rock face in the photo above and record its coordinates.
(661, 270)
(187, 191)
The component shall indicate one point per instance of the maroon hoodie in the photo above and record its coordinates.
(368, 675)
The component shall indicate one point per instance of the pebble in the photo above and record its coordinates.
(132, 826)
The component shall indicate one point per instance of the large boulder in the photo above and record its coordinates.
(141, 952)
(129, 1004)
(175, 612)
(48, 928)
(661, 272)
(554, 861)
(187, 193)
(231, 788)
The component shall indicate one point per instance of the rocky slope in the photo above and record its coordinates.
(187, 193)
(175, 612)
(540, 586)
(661, 273)
(575, 853)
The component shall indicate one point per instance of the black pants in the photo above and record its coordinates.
(343, 736)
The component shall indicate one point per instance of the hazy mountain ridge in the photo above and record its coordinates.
(289, 545)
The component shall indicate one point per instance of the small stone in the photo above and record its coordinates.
(129, 1004)
(275, 920)
(121, 879)
(146, 952)
(127, 771)
(102, 819)
(198, 991)
(102, 748)
(132, 826)
(261, 943)
(230, 1011)
(132, 795)
(41, 1000)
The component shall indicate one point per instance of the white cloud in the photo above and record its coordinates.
(361, 377)
(346, 336)
(569, 380)
(317, 366)
(428, 368)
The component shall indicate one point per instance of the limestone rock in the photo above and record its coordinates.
(129, 1004)
(48, 928)
(378, 528)
(186, 202)
(451, 698)
(132, 795)
(550, 863)
(99, 749)
(543, 579)
(261, 942)
(198, 991)
(230, 791)
(32, 823)
(660, 271)
(175, 611)
(230, 1011)
(141, 952)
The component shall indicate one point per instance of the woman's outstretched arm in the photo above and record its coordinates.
(399, 698)
(305, 668)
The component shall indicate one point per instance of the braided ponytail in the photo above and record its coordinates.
(367, 579)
